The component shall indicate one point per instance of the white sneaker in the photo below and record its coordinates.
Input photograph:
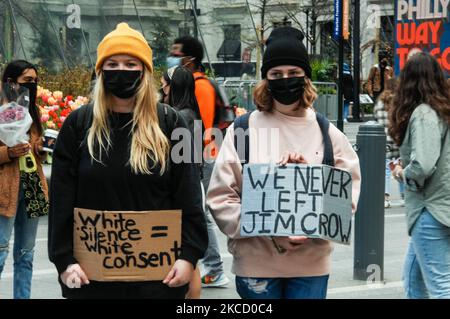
(387, 203)
(215, 281)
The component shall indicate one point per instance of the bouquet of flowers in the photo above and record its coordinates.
(15, 120)
(55, 108)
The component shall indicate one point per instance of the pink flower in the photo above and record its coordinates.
(12, 114)
(45, 118)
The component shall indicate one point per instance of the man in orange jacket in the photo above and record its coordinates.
(188, 51)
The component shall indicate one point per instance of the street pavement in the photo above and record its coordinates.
(341, 284)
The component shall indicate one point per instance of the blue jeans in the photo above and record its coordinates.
(282, 288)
(25, 230)
(346, 109)
(387, 188)
(427, 266)
(212, 262)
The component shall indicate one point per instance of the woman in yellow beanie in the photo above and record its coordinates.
(114, 156)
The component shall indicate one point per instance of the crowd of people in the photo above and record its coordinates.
(115, 155)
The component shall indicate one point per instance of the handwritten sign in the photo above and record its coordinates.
(297, 200)
(127, 246)
(422, 25)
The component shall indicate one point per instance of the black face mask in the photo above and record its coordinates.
(123, 84)
(32, 91)
(287, 91)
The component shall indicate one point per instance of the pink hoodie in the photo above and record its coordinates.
(257, 256)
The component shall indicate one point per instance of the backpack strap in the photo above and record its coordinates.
(328, 155)
(84, 122)
(168, 119)
(242, 122)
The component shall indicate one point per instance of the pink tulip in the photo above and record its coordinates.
(45, 118)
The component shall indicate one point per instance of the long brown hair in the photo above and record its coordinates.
(387, 96)
(422, 81)
(264, 100)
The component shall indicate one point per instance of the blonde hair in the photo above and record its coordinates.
(148, 142)
(264, 100)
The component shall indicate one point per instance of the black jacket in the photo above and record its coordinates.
(77, 181)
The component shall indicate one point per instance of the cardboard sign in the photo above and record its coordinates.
(297, 200)
(422, 25)
(126, 246)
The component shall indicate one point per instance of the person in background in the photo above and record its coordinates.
(379, 75)
(419, 122)
(13, 205)
(178, 88)
(188, 51)
(294, 267)
(123, 163)
(348, 90)
(381, 113)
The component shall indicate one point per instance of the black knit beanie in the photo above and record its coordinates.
(285, 47)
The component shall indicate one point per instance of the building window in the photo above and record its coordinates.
(232, 32)
(230, 50)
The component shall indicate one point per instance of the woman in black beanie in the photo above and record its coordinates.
(293, 267)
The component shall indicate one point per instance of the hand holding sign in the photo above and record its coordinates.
(291, 243)
(292, 158)
(180, 274)
(74, 277)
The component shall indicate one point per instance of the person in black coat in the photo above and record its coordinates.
(348, 90)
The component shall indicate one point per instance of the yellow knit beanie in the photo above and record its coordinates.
(124, 40)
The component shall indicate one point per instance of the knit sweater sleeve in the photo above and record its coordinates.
(347, 159)
(63, 190)
(187, 195)
(225, 188)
